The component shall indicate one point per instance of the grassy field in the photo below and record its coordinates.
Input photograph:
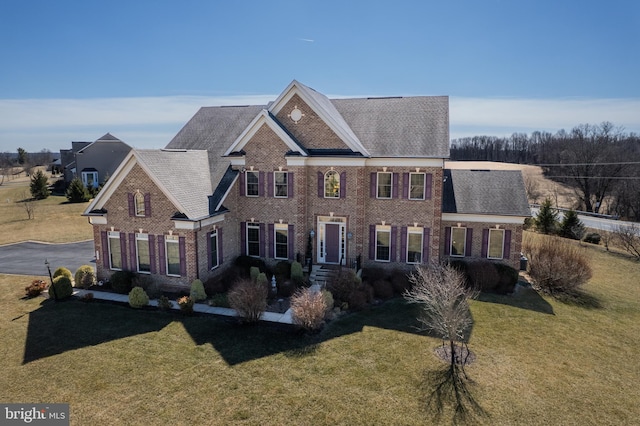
(56, 221)
(539, 361)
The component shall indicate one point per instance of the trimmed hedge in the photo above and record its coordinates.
(61, 288)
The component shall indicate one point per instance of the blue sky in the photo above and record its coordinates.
(75, 70)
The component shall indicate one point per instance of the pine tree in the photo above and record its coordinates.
(77, 192)
(571, 226)
(547, 219)
(39, 186)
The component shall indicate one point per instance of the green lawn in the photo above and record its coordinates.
(539, 361)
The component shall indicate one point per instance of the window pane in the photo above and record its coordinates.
(214, 249)
(144, 264)
(173, 258)
(383, 239)
(139, 202)
(280, 179)
(115, 254)
(458, 240)
(384, 185)
(332, 185)
(253, 241)
(282, 243)
(414, 248)
(252, 183)
(496, 240)
(416, 191)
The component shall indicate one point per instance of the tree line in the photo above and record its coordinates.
(600, 162)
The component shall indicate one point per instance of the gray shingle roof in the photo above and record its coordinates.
(416, 126)
(498, 192)
(215, 129)
(184, 174)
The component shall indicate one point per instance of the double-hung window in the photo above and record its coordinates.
(253, 239)
(496, 244)
(138, 199)
(416, 186)
(90, 179)
(384, 184)
(383, 243)
(252, 183)
(142, 253)
(172, 246)
(281, 241)
(458, 241)
(280, 187)
(414, 244)
(115, 251)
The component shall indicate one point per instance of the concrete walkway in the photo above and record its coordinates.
(197, 307)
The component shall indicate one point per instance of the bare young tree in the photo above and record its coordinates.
(629, 239)
(532, 187)
(441, 292)
(29, 205)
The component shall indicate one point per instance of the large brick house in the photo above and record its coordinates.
(362, 177)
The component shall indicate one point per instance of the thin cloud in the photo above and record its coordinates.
(308, 40)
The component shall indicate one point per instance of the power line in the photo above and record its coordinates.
(595, 177)
(585, 164)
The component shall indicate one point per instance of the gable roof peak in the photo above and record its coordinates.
(108, 137)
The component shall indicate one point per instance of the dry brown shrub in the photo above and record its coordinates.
(308, 309)
(248, 299)
(556, 265)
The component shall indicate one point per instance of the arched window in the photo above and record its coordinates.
(331, 184)
(138, 198)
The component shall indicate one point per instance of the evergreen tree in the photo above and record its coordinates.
(77, 192)
(571, 226)
(547, 219)
(39, 186)
(22, 156)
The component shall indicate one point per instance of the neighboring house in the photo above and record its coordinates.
(362, 177)
(93, 162)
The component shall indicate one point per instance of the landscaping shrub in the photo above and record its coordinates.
(282, 271)
(244, 263)
(343, 284)
(197, 292)
(35, 288)
(556, 265)
(373, 273)
(308, 309)
(297, 276)
(62, 271)
(571, 226)
(164, 303)
(382, 289)
(61, 288)
(186, 304)
(286, 288)
(328, 299)
(39, 185)
(508, 278)
(122, 281)
(84, 276)
(150, 286)
(248, 299)
(359, 297)
(220, 299)
(254, 271)
(220, 283)
(262, 279)
(400, 281)
(592, 238)
(138, 297)
(482, 275)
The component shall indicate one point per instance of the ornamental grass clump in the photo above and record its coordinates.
(186, 304)
(35, 288)
(138, 297)
(85, 277)
(308, 309)
(248, 299)
(62, 271)
(61, 288)
(197, 292)
(556, 265)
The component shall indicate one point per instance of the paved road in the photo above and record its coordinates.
(28, 258)
(602, 224)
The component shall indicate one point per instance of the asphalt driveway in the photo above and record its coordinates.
(28, 258)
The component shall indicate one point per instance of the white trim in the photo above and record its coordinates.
(192, 225)
(262, 118)
(252, 225)
(246, 183)
(237, 161)
(477, 218)
(280, 227)
(275, 184)
(406, 162)
(296, 160)
(412, 230)
(326, 161)
(114, 235)
(173, 239)
(424, 186)
(211, 234)
(464, 242)
(98, 220)
(385, 229)
(142, 237)
(390, 186)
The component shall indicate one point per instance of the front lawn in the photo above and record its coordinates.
(539, 361)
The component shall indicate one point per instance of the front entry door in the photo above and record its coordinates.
(333, 243)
